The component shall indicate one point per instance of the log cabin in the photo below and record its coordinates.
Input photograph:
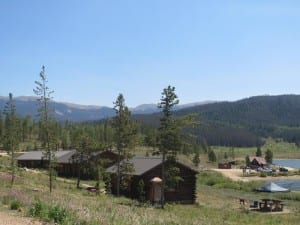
(148, 170)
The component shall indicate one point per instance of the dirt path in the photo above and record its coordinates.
(13, 219)
(237, 175)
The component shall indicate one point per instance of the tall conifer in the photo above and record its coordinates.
(125, 132)
(11, 138)
(47, 125)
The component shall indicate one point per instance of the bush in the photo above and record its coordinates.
(38, 209)
(263, 174)
(15, 204)
(56, 213)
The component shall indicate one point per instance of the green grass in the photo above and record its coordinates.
(279, 148)
(217, 203)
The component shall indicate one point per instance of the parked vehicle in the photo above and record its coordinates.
(264, 169)
(283, 169)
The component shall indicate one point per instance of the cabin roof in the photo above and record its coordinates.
(62, 156)
(260, 160)
(143, 164)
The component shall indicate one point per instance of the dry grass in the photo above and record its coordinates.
(215, 205)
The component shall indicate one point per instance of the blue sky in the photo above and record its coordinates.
(94, 50)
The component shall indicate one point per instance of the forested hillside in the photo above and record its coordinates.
(241, 123)
(244, 122)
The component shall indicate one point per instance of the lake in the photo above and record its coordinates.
(295, 163)
(293, 185)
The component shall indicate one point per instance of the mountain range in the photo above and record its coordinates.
(27, 105)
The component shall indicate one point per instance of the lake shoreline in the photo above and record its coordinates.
(237, 175)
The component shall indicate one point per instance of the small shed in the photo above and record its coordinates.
(148, 169)
(256, 162)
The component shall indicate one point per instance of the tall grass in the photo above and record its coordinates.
(218, 180)
(216, 204)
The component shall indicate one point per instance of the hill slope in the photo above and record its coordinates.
(239, 123)
(242, 122)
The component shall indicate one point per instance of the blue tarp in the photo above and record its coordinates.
(272, 187)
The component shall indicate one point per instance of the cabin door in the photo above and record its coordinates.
(155, 195)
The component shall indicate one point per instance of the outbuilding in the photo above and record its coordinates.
(256, 162)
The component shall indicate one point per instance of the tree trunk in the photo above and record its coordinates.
(79, 171)
(162, 201)
(118, 174)
(12, 167)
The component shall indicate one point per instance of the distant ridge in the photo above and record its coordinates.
(27, 105)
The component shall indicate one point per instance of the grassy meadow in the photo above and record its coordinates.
(279, 148)
(217, 203)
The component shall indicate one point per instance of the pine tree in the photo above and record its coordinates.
(269, 156)
(247, 160)
(212, 156)
(196, 159)
(169, 142)
(11, 138)
(125, 132)
(46, 121)
(84, 145)
(107, 136)
(258, 152)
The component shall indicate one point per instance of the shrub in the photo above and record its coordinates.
(15, 204)
(38, 209)
(56, 213)
(263, 174)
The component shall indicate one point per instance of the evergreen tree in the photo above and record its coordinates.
(82, 157)
(258, 152)
(11, 138)
(225, 155)
(125, 131)
(98, 166)
(232, 154)
(65, 139)
(212, 156)
(169, 141)
(269, 156)
(46, 122)
(247, 160)
(108, 136)
(196, 159)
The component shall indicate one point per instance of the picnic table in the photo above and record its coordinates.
(270, 205)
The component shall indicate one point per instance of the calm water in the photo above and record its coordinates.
(291, 184)
(295, 163)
